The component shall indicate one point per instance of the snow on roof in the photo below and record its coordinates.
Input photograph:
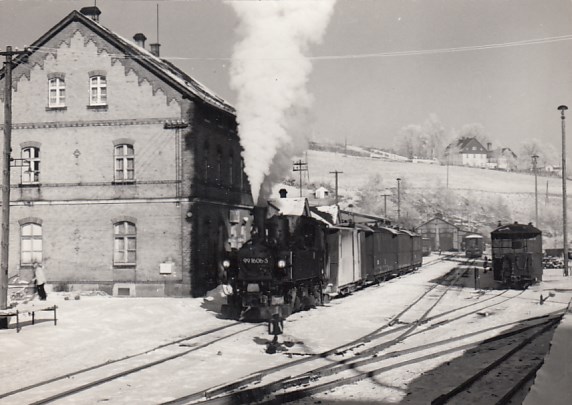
(330, 210)
(289, 206)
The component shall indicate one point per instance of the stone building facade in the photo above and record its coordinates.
(132, 179)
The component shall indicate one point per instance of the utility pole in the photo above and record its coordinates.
(398, 199)
(385, 195)
(447, 154)
(6, 149)
(563, 108)
(335, 172)
(534, 161)
(301, 167)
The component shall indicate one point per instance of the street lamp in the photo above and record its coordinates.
(534, 161)
(398, 199)
(563, 108)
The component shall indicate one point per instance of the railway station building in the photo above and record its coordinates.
(131, 178)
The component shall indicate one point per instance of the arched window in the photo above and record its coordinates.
(124, 163)
(97, 90)
(125, 243)
(56, 92)
(31, 168)
(30, 244)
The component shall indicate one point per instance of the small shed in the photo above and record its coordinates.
(322, 193)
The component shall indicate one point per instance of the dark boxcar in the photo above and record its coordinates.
(416, 249)
(473, 245)
(404, 251)
(385, 257)
(517, 254)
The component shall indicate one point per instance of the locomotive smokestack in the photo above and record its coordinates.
(259, 219)
(283, 193)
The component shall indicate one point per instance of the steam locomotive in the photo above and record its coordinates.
(297, 258)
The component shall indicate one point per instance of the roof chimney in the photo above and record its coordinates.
(283, 193)
(92, 12)
(154, 49)
(489, 146)
(140, 39)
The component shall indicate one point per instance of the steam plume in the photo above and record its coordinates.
(269, 71)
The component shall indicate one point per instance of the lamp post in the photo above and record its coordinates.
(534, 161)
(563, 108)
(398, 199)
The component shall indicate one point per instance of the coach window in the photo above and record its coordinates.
(30, 244)
(31, 166)
(125, 244)
(124, 163)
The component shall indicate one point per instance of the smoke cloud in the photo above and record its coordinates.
(270, 71)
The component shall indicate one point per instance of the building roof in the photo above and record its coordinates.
(515, 231)
(468, 145)
(288, 206)
(434, 219)
(163, 69)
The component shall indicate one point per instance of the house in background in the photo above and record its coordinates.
(501, 158)
(135, 180)
(467, 152)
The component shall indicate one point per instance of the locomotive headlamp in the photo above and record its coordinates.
(226, 263)
(281, 263)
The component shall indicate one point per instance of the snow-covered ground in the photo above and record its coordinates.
(95, 329)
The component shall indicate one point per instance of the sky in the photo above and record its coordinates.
(381, 64)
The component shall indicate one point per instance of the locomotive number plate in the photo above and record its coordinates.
(255, 260)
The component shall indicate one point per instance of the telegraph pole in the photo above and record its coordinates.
(385, 195)
(6, 149)
(300, 166)
(563, 108)
(398, 199)
(534, 162)
(335, 172)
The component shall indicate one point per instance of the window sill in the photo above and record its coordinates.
(29, 185)
(123, 182)
(124, 265)
(97, 107)
(57, 108)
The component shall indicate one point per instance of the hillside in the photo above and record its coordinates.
(475, 198)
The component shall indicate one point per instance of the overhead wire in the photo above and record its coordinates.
(526, 42)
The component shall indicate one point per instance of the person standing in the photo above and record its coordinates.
(40, 280)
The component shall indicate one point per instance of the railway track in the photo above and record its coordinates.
(360, 352)
(50, 390)
(501, 394)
